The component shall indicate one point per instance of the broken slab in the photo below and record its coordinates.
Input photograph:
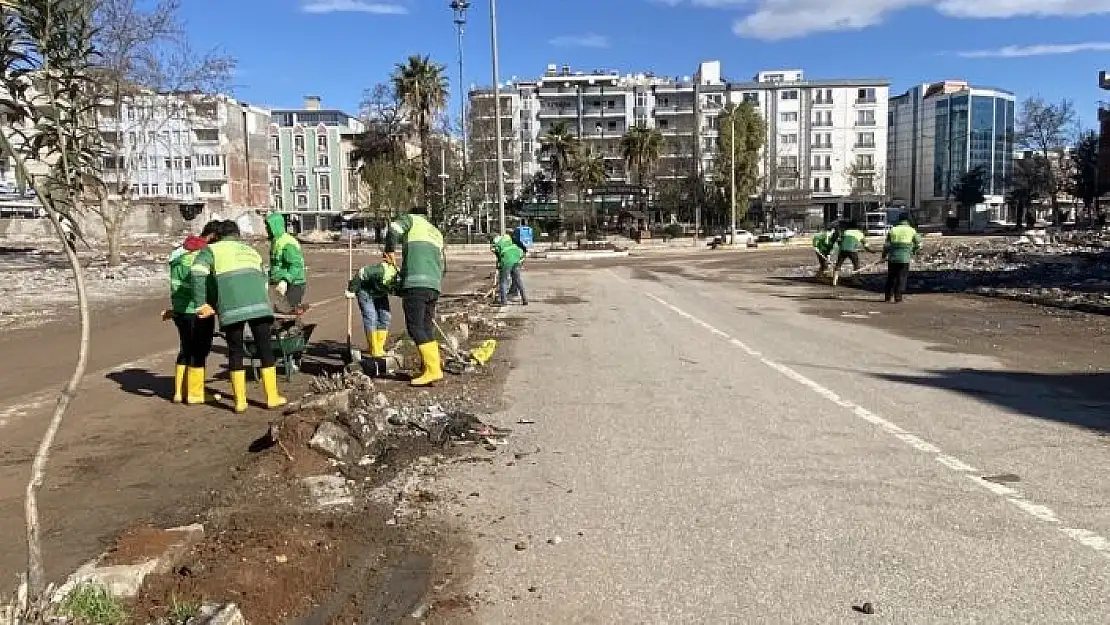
(124, 580)
(218, 614)
(332, 440)
(328, 491)
(338, 401)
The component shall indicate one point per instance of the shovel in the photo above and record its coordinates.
(353, 356)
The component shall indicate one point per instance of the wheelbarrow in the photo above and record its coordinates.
(288, 344)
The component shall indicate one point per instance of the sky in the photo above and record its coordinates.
(340, 48)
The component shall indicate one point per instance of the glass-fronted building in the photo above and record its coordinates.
(940, 131)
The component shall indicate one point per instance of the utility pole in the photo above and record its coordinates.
(460, 7)
(732, 172)
(443, 183)
(498, 170)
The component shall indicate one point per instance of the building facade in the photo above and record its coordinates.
(938, 132)
(826, 143)
(310, 169)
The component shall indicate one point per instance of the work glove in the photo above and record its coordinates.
(167, 314)
(349, 294)
(282, 287)
(390, 258)
(205, 312)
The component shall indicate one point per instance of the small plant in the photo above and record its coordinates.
(182, 611)
(90, 604)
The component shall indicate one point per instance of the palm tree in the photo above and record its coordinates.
(588, 170)
(641, 147)
(421, 85)
(558, 146)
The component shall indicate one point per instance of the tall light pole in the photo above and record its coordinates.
(498, 170)
(460, 7)
(732, 172)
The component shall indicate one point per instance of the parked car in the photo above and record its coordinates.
(779, 233)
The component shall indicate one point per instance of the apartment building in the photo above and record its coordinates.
(310, 170)
(191, 150)
(826, 140)
(940, 131)
(1104, 136)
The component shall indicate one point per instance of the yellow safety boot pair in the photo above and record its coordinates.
(188, 385)
(433, 370)
(178, 383)
(269, 387)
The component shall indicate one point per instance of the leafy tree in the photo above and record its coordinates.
(968, 191)
(641, 148)
(48, 94)
(751, 135)
(558, 147)
(1029, 184)
(588, 170)
(388, 179)
(143, 58)
(421, 85)
(1046, 128)
(1084, 181)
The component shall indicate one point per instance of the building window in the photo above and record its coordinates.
(788, 162)
(275, 143)
(325, 202)
(146, 189)
(188, 162)
(302, 182)
(302, 200)
(275, 183)
(865, 118)
(788, 139)
(751, 97)
(131, 138)
(789, 117)
(324, 184)
(180, 189)
(865, 162)
(816, 184)
(823, 96)
(134, 189)
(299, 161)
(791, 94)
(321, 160)
(827, 187)
(177, 162)
(865, 95)
(865, 139)
(612, 125)
(188, 188)
(155, 189)
(641, 99)
(788, 183)
(298, 143)
(168, 162)
(662, 124)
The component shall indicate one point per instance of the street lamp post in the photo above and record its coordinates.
(732, 172)
(460, 7)
(497, 117)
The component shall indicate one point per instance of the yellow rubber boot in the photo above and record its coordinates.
(380, 337)
(178, 383)
(371, 337)
(269, 385)
(239, 390)
(429, 354)
(194, 384)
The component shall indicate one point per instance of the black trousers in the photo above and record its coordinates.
(823, 260)
(194, 337)
(420, 314)
(897, 275)
(852, 256)
(237, 347)
(294, 294)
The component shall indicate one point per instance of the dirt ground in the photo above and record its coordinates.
(126, 456)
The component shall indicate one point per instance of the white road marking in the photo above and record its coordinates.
(1040, 512)
(38, 400)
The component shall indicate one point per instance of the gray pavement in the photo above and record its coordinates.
(709, 454)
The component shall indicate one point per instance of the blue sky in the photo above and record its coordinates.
(338, 48)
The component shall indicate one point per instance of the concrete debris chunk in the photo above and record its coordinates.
(328, 491)
(218, 614)
(332, 440)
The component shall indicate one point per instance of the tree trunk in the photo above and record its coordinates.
(113, 232)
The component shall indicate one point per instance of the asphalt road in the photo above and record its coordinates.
(707, 453)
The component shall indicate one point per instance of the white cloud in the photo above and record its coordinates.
(589, 40)
(353, 6)
(785, 19)
(1043, 49)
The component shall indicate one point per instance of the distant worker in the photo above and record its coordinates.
(372, 286)
(902, 243)
(848, 245)
(194, 334)
(239, 282)
(423, 264)
(510, 259)
(822, 247)
(287, 269)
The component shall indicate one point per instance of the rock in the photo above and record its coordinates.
(381, 401)
(520, 546)
(555, 541)
(218, 614)
(333, 441)
(337, 401)
(328, 490)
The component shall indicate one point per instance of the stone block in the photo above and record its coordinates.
(331, 440)
(218, 614)
(338, 401)
(328, 491)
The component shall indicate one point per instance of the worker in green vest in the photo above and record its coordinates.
(510, 257)
(423, 264)
(821, 247)
(287, 269)
(194, 335)
(372, 286)
(902, 243)
(235, 269)
(848, 245)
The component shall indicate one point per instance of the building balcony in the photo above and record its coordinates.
(682, 109)
(674, 132)
(322, 169)
(864, 146)
(302, 188)
(865, 123)
(865, 101)
(205, 174)
(824, 124)
(601, 111)
(822, 102)
(821, 146)
(864, 167)
(553, 113)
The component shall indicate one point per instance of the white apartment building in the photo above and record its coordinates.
(940, 131)
(189, 150)
(826, 140)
